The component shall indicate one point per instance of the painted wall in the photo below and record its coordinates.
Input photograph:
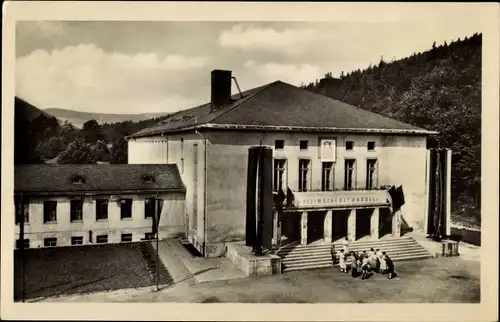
(172, 221)
(187, 151)
(401, 161)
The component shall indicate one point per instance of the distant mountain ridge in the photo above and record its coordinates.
(78, 118)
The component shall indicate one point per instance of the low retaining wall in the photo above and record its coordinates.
(471, 236)
(252, 265)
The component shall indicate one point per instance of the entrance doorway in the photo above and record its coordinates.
(363, 224)
(385, 222)
(315, 226)
(339, 222)
(290, 227)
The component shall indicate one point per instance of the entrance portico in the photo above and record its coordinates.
(332, 215)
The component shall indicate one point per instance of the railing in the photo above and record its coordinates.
(339, 198)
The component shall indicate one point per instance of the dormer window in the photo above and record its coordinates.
(148, 178)
(78, 179)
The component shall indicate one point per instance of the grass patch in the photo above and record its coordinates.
(84, 269)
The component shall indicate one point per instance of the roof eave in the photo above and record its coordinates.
(99, 192)
(319, 129)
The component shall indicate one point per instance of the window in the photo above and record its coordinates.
(26, 243)
(371, 173)
(150, 236)
(102, 239)
(182, 165)
(49, 212)
(126, 208)
(126, 237)
(304, 144)
(371, 145)
(327, 176)
(76, 240)
(149, 207)
(20, 209)
(76, 210)
(349, 145)
(101, 209)
(303, 174)
(50, 242)
(349, 174)
(279, 144)
(279, 174)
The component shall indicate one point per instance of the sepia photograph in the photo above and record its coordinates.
(262, 161)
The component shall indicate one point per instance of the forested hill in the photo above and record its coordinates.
(439, 89)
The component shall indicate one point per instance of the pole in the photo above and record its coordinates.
(157, 237)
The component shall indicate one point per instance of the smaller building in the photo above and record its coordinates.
(68, 205)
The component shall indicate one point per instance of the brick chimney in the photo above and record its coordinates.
(221, 89)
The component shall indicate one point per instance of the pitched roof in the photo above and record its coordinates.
(281, 106)
(48, 178)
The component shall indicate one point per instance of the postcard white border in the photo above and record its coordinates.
(487, 13)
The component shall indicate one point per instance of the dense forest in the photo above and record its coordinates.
(41, 138)
(438, 90)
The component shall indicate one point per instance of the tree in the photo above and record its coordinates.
(51, 148)
(119, 152)
(101, 151)
(77, 152)
(92, 131)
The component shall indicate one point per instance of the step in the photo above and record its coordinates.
(391, 249)
(327, 258)
(302, 264)
(305, 267)
(368, 243)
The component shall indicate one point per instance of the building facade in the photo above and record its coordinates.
(69, 205)
(336, 160)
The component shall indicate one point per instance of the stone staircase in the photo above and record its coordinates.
(298, 257)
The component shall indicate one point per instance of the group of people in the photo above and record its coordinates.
(364, 263)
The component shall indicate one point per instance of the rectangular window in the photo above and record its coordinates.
(76, 210)
(102, 239)
(49, 212)
(349, 145)
(125, 208)
(149, 236)
(76, 240)
(126, 238)
(279, 144)
(349, 174)
(279, 175)
(327, 176)
(149, 207)
(303, 174)
(304, 144)
(50, 242)
(182, 165)
(371, 145)
(20, 209)
(371, 173)
(26, 243)
(101, 209)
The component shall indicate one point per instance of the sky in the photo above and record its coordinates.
(146, 67)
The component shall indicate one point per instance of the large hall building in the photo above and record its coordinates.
(336, 162)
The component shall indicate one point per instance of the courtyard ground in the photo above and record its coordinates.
(439, 280)
(83, 269)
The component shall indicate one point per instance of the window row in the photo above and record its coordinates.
(304, 145)
(327, 174)
(76, 210)
(78, 240)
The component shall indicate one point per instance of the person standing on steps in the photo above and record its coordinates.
(334, 255)
(345, 245)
